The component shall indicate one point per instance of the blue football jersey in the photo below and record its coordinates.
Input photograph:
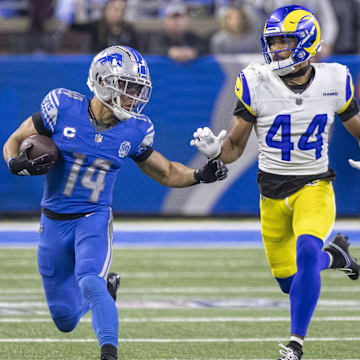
(83, 179)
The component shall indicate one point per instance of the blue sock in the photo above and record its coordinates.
(84, 307)
(102, 305)
(285, 283)
(305, 288)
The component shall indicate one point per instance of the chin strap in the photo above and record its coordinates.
(119, 113)
(282, 67)
(287, 68)
(298, 73)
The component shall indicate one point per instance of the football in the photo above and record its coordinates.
(41, 145)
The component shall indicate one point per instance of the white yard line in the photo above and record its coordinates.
(193, 290)
(192, 319)
(146, 225)
(172, 275)
(252, 224)
(203, 358)
(226, 359)
(193, 263)
(159, 340)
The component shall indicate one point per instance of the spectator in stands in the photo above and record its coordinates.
(348, 15)
(112, 29)
(322, 9)
(39, 12)
(34, 37)
(76, 20)
(176, 41)
(79, 12)
(200, 7)
(235, 35)
(13, 8)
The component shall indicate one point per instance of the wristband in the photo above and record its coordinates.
(197, 177)
(8, 162)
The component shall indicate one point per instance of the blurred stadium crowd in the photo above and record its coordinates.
(180, 29)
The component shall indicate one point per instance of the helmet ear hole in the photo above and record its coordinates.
(106, 95)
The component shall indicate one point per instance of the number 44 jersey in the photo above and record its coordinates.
(83, 179)
(293, 129)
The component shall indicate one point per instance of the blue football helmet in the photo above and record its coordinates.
(117, 71)
(296, 22)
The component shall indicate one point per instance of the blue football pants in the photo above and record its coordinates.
(74, 258)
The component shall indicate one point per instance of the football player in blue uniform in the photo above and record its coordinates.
(94, 137)
(291, 105)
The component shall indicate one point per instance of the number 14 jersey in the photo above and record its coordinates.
(293, 129)
(83, 178)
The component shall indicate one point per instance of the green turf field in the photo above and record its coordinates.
(177, 304)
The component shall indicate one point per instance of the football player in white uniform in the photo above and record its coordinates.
(291, 104)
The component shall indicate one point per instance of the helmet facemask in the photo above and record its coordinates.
(284, 66)
(127, 97)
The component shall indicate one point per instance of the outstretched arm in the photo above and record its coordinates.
(234, 144)
(175, 174)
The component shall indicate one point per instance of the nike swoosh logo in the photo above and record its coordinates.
(88, 215)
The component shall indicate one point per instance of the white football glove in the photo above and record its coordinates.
(354, 164)
(207, 143)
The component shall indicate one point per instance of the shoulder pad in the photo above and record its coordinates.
(339, 78)
(332, 71)
(256, 69)
(246, 81)
(67, 97)
(142, 117)
(55, 101)
(144, 123)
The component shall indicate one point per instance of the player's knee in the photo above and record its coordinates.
(285, 283)
(308, 251)
(91, 286)
(64, 320)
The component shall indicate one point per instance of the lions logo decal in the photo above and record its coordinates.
(112, 59)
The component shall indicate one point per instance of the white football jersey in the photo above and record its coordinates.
(293, 129)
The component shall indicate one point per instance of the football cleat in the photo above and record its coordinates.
(113, 283)
(338, 247)
(108, 357)
(292, 351)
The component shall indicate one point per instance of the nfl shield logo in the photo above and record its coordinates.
(124, 149)
(298, 101)
(98, 138)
